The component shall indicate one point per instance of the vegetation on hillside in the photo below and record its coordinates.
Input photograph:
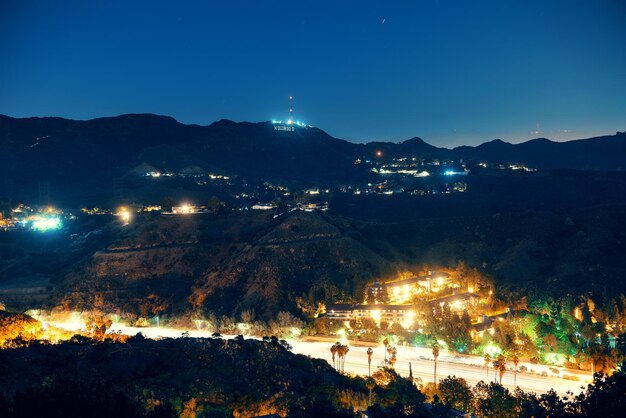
(243, 378)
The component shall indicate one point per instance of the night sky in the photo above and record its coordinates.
(449, 72)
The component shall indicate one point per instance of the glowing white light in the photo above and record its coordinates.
(124, 215)
(46, 223)
(375, 314)
(408, 320)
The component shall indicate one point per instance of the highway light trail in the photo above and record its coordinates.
(471, 368)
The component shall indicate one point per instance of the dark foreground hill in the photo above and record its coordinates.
(84, 158)
(245, 378)
(208, 377)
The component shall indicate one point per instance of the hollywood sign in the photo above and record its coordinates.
(284, 128)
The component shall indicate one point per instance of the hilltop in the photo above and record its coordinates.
(87, 157)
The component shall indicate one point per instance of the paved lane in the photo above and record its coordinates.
(356, 362)
(471, 368)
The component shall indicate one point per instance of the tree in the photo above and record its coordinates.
(167, 204)
(370, 384)
(369, 361)
(386, 345)
(97, 326)
(395, 389)
(501, 366)
(163, 410)
(344, 353)
(455, 392)
(515, 361)
(604, 397)
(340, 351)
(435, 355)
(493, 400)
(487, 361)
(392, 356)
(620, 344)
(589, 334)
(215, 204)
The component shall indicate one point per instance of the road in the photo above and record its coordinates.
(447, 365)
(471, 368)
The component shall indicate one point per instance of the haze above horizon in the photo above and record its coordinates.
(448, 72)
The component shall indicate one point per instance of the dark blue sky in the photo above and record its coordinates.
(449, 72)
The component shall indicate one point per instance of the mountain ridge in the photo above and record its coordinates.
(91, 154)
(234, 123)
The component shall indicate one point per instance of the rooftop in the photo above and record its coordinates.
(417, 279)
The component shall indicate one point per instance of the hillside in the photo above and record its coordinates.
(530, 233)
(82, 160)
(192, 374)
(228, 264)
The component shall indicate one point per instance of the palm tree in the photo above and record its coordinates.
(496, 366)
(369, 361)
(342, 350)
(370, 384)
(333, 350)
(386, 344)
(392, 356)
(501, 366)
(435, 355)
(487, 361)
(501, 370)
(515, 361)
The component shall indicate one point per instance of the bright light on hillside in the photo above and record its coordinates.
(45, 223)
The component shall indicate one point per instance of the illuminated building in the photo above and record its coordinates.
(458, 302)
(402, 291)
(399, 314)
(310, 207)
(263, 206)
(183, 209)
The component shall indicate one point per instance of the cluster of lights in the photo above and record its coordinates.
(124, 215)
(183, 209)
(290, 122)
(455, 173)
(46, 223)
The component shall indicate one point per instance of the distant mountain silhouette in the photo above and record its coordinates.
(599, 153)
(90, 154)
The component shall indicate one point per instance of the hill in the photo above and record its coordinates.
(227, 264)
(83, 159)
(530, 233)
(216, 377)
(546, 239)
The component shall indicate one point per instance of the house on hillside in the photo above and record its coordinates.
(263, 206)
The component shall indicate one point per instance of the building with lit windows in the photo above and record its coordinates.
(393, 314)
(403, 291)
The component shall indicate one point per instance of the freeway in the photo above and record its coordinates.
(422, 365)
(471, 368)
